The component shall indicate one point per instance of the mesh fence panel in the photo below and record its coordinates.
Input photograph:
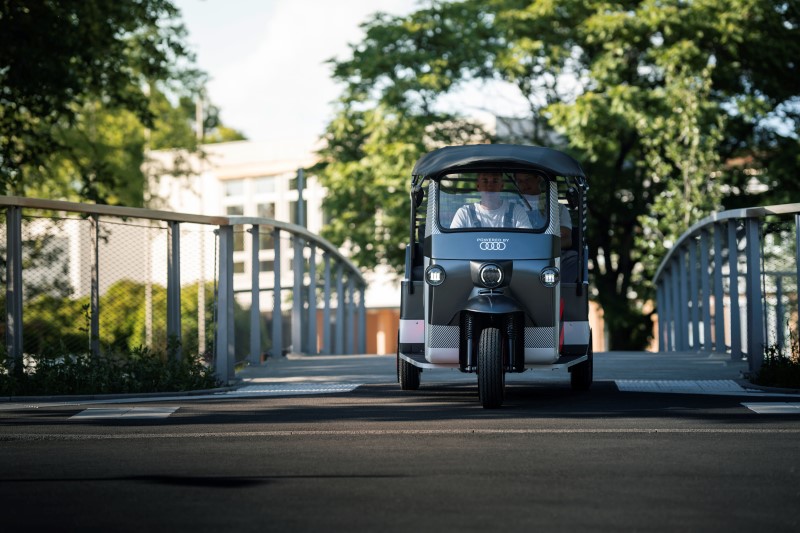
(198, 253)
(779, 288)
(132, 284)
(3, 261)
(56, 283)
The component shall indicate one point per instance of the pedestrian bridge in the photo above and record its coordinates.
(84, 276)
(234, 288)
(729, 284)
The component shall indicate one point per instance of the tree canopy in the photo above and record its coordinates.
(86, 86)
(675, 108)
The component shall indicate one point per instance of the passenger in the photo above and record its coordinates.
(530, 186)
(492, 211)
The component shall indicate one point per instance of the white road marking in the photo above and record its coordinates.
(721, 387)
(391, 432)
(248, 391)
(783, 408)
(128, 413)
(291, 389)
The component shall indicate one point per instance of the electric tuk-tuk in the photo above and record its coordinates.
(488, 288)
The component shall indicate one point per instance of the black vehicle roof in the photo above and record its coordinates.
(487, 156)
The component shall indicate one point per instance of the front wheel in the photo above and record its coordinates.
(409, 375)
(491, 374)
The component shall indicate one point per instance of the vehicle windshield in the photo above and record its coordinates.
(493, 200)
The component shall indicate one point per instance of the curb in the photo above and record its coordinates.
(746, 384)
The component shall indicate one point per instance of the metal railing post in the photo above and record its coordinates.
(797, 266)
(663, 316)
(297, 296)
(350, 321)
(312, 299)
(225, 355)
(339, 309)
(779, 311)
(719, 293)
(326, 313)
(677, 343)
(174, 289)
(362, 320)
(695, 294)
(755, 309)
(14, 289)
(94, 324)
(733, 291)
(683, 304)
(277, 315)
(705, 290)
(255, 296)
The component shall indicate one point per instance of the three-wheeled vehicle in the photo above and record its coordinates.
(488, 288)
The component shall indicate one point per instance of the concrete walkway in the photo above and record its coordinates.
(608, 366)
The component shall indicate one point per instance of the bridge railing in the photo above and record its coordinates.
(85, 277)
(729, 284)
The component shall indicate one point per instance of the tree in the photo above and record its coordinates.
(85, 87)
(655, 98)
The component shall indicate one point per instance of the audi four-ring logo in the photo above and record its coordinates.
(493, 245)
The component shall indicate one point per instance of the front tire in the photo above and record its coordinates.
(491, 374)
(409, 375)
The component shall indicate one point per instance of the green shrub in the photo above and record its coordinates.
(137, 371)
(780, 369)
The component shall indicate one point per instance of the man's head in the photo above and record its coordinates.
(529, 183)
(490, 182)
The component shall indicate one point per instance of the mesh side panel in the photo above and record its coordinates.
(442, 336)
(539, 338)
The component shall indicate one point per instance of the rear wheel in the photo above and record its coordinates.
(491, 374)
(409, 375)
(582, 374)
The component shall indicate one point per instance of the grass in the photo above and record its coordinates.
(136, 371)
(781, 369)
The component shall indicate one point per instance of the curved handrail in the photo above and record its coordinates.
(171, 216)
(748, 212)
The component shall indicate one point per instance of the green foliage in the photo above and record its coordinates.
(137, 371)
(671, 106)
(87, 86)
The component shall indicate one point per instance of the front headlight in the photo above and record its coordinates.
(549, 276)
(491, 275)
(435, 275)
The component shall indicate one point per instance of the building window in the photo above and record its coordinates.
(266, 210)
(267, 266)
(235, 210)
(238, 267)
(293, 214)
(265, 185)
(234, 188)
(238, 241)
(266, 241)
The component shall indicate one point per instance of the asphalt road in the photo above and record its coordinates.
(377, 458)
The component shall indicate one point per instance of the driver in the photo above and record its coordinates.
(530, 185)
(492, 211)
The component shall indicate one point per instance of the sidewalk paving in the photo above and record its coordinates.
(679, 372)
(381, 369)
